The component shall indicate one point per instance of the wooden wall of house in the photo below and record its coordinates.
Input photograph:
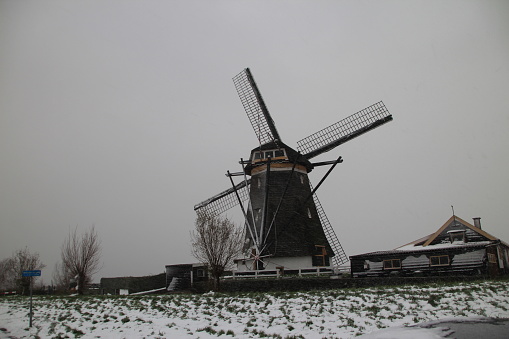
(498, 259)
(503, 256)
(200, 273)
(471, 260)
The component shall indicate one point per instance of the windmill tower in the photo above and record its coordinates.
(285, 222)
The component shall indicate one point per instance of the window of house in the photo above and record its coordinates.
(269, 154)
(257, 155)
(492, 258)
(392, 264)
(200, 273)
(320, 258)
(279, 153)
(439, 260)
(457, 236)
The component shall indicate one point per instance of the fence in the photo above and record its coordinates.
(301, 272)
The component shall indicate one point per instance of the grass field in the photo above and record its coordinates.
(341, 313)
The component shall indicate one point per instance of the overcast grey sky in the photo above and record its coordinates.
(123, 115)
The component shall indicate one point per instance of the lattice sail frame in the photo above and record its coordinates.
(225, 200)
(255, 107)
(340, 256)
(344, 130)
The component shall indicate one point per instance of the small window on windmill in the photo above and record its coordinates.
(257, 213)
(279, 153)
(269, 154)
(302, 179)
(309, 214)
(258, 183)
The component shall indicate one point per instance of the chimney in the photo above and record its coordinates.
(477, 222)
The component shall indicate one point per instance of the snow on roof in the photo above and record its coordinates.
(444, 245)
(412, 248)
(456, 231)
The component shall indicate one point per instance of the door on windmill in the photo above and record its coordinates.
(320, 257)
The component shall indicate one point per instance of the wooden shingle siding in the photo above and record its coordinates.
(460, 261)
(469, 260)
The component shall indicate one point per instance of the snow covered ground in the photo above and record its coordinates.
(338, 313)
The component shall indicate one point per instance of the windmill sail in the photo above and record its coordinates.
(340, 256)
(344, 130)
(255, 107)
(225, 200)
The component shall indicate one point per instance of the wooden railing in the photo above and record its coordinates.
(307, 271)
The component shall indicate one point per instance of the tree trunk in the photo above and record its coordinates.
(81, 285)
(216, 283)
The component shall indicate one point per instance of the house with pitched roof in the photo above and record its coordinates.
(457, 247)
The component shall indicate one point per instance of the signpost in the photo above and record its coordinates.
(32, 273)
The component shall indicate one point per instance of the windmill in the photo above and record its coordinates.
(285, 222)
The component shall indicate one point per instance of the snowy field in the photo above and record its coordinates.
(338, 313)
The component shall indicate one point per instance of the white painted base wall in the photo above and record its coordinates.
(289, 263)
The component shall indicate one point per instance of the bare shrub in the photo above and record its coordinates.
(216, 242)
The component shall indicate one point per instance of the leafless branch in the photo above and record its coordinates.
(216, 241)
(81, 256)
(11, 270)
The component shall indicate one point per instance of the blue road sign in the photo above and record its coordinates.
(34, 273)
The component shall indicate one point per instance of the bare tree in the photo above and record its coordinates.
(216, 241)
(12, 270)
(81, 255)
(6, 282)
(61, 278)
